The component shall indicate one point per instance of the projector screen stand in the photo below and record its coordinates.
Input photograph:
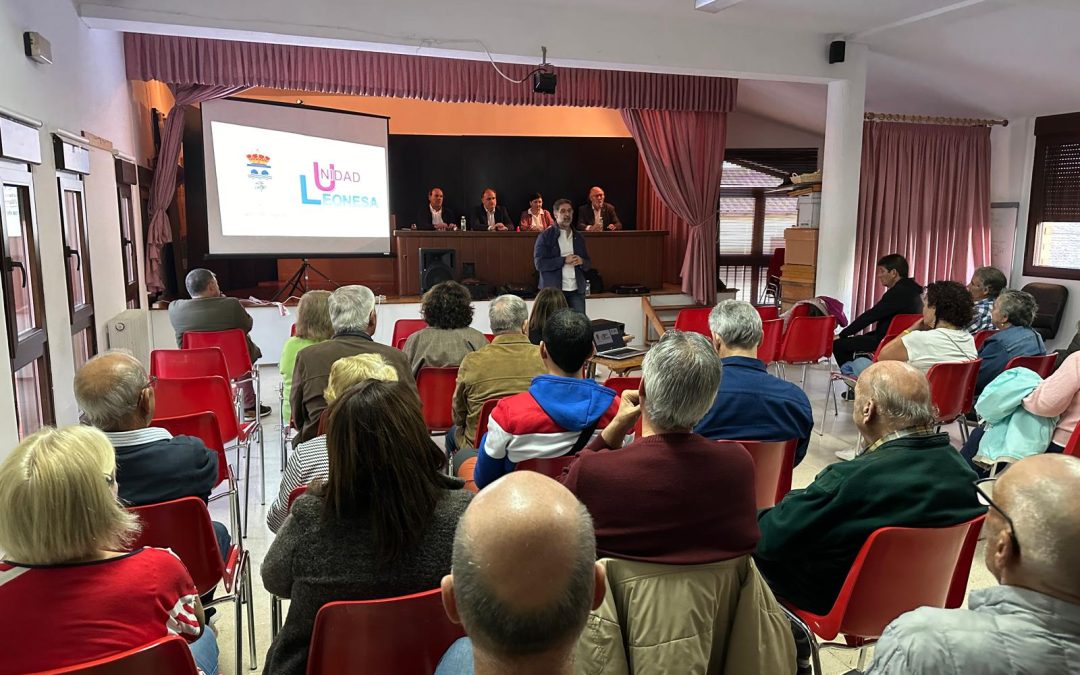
(299, 282)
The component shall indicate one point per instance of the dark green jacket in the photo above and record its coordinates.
(810, 539)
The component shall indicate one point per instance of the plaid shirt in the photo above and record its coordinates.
(982, 320)
(899, 433)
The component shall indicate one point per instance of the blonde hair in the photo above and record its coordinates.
(56, 498)
(313, 316)
(352, 369)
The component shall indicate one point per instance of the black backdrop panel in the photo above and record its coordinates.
(463, 166)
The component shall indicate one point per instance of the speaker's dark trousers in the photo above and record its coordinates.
(844, 349)
(576, 300)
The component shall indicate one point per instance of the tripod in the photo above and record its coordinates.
(299, 282)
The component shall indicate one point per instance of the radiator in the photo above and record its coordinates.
(129, 330)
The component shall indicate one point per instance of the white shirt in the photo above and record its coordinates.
(940, 345)
(566, 247)
(491, 219)
(436, 216)
(537, 219)
(598, 216)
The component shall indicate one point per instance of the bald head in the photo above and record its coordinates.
(111, 391)
(889, 396)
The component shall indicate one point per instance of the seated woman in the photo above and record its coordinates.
(381, 525)
(448, 310)
(941, 335)
(79, 596)
(309, 462)
(312, 325)
(548, 301)
(1012, 314)
(536, 217)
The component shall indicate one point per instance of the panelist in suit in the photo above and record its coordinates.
(489, 215)
(597, 215)
(535, 218)
(435, 216)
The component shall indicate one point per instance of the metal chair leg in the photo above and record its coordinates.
(249, 597)
(803, 382)
(861, 665)
(237, 585)
(247, 482)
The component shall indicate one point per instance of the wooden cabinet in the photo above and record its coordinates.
(798, 275)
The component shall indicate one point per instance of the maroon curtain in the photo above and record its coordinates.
(163, 188)
(683, 153)
(924, 192)
(654, 214)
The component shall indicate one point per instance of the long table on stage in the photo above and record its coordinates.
(623, 257)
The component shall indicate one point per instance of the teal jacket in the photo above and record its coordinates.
(1011, 431)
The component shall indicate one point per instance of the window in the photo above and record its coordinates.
(77, 252)
(1053, 238)
(126, 179)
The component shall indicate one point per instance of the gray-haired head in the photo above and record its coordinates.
(1018, 307)
(736, 323)
(108, 389)
(198, 281)
(991, 279)
(900, 394)
(680, 375)
(351, 308)
(507, 314)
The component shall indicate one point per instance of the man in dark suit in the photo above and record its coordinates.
(597, 215)
(435, 216)
(489, 215)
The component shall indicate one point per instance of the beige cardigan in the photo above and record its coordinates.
(440, 348)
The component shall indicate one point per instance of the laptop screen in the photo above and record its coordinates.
(608, 338)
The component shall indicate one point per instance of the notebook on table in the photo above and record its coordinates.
(610, 345)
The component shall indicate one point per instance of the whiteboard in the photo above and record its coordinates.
(1003, 235)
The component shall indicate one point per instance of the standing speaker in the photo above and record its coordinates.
(436, 266)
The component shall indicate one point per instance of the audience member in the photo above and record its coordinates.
(985, 285)
(1030, 624)
(536, 217)
(309, 462)
(489, 215)
(903, 296)
(558, 414)
(435, 215)
(751, 404)
(505, 367)
(597, 215)
(908, 476)
(1059, 396)
(548, 301)
(656, 499)
(940, 336)
(312, 325)
(447, 308)
(561, 258)
(73, 592)
(209, 310)
(381, 525)
(352, 315)
(1013, 313)
(515, 624)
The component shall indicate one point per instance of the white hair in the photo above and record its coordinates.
(507, 313)
(110, 396)
(351, 308)
(681, 375)
(737, 323)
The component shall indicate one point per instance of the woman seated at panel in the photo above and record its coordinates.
(1013, 313)
(448, 310)
(941, 335)
(381, 525)
(312, 325)
(309, 462)
(536, 217)
(548, 301)
(72, 591)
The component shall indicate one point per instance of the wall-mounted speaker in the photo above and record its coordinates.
(436, 266)
(836, 51)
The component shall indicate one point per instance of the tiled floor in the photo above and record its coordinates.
(839, 433)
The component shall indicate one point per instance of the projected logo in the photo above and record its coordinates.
(338, 187)
(260, 169)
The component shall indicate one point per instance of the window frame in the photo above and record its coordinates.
(126, 186)
(82, 315)
(1049, 132)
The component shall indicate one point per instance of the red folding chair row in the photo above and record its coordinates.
(808, 340)
(403, 328)
(436, 387)
(768, 312)
(773, 464)
(952, 390)
(694, 320)
(166, 656)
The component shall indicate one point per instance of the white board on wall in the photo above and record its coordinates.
(1003, 235)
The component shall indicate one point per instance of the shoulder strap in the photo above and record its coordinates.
(583, 439)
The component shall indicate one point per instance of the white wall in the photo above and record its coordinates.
(751, 130)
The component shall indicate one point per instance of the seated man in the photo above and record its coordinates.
(435, 215)
(751, 404)
(597, 215)
(560, 411)
(352, 314)
(1030, 624)
(523, 612)
(903, 297)
(908, 476)
(209, 310)
(985, 286)
(490, 216)
(656, 500)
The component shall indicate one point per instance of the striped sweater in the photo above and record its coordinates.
(306, 463)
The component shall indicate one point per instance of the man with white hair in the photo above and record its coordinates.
(752, 405)
(671, 496)
(1030, 624)
(352, 314)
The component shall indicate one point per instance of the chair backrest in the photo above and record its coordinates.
(981, 337)
(485, 414)
(232, 342)
(489, 336)
(296, 492)
(292, 330)
(1043, 365)
(1051, 299)
(952, 387)
(167, 656)
(436, 387)
(772, 332)
(407, 635)
(621, 384)
(799, 310)
(958, 588)
(189, 395)
(773, 462)
(1073, 446)
(901, 322)
(776, 261)
(694, 320)
(808, 339)
(175, 363)
(204, 426)
(889, 337)
(184, 526)
(767, 312)
(549, 466)
(403, 328)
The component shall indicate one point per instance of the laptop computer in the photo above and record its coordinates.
(610, 345)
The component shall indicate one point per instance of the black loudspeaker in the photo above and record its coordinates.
(436, 266)
(836, 51)
(544, 82)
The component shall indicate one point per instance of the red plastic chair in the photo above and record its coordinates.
(772, 277)
(773, 463)
(183, 525)
(370, 636)
(292, 330)
(233, 345)
(167, 656)
(436, 387)
(808, 340)
(485, 415)
(898, 569)
(551, 467)
(768, 312)
(621, 384)
(1072, 448)
(1043, 365)
(176, 363)
(489, 336)
(403, 328)
(694, 320)
(771, 334)
(952, 390)
(901, 322)
(981, 337)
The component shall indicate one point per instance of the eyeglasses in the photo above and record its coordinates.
(150, 382)
(986, 500)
